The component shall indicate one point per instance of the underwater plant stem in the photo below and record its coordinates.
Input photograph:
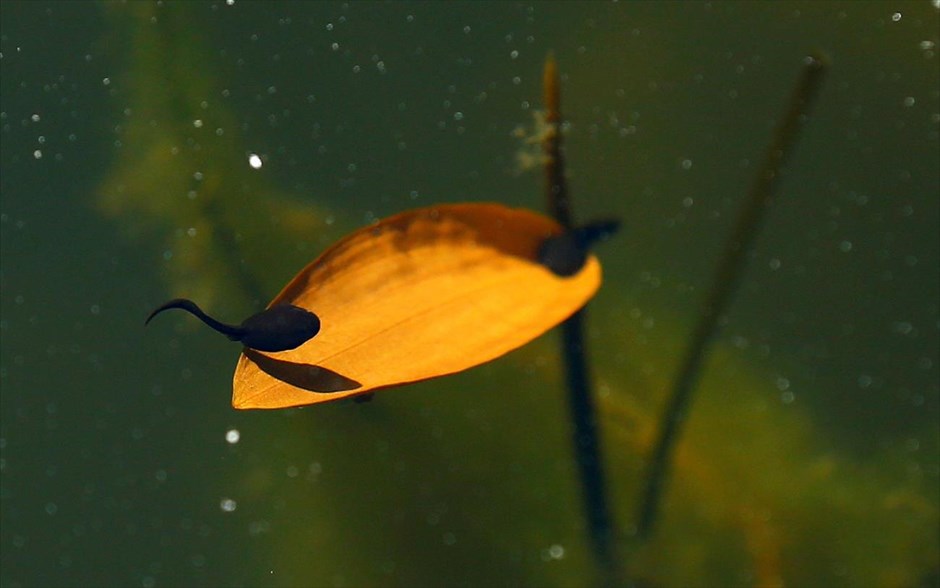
(581, 405)
(587, 446)
(727, 277)
(558, 201)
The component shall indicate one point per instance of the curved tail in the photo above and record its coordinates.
(232, 332)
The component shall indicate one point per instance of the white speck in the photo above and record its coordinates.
(514, 54)
(466, 30)
(197, 123)
(556, 551)
(228, 505)
(37, 154)
(334, 46)
(254, 160)
(458, 116)
(232, 436)
(197, 176)
(35, 118)
(896, 16)
(686, 164)
(106, 81)
(191, 231)
(909, 101)
(517, 80)
(230, 2)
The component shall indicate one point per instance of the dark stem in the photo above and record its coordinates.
(559, 205)
(232, 332)
(727, 277)
(587, 446)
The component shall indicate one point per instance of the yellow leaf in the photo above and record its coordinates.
(422, 294)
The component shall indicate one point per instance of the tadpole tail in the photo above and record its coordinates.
(231, 331)
(594, 231)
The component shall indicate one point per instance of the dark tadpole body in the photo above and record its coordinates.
(279, 328)
(566, 253)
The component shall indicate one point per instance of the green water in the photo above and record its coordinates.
(812, 452)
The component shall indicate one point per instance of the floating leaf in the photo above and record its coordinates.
(422, 294)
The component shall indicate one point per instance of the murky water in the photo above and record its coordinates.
(212, 150)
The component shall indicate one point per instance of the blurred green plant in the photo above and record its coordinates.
(182, 175)
(452, 485)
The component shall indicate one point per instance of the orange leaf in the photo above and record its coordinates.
(422, 294)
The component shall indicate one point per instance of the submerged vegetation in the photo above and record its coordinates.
(182, 177)
(470, 481)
